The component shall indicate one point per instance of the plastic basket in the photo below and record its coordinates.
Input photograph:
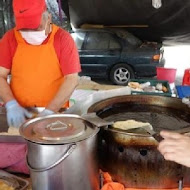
(168, 74)
(183, 91)
(153, 82)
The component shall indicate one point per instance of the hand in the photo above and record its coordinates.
(16, 115)
(46, 112)
(175, 147)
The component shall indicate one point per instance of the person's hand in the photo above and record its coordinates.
(46, 112)
(16, 115)
(175, 147)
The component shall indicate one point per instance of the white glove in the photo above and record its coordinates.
(46, 112)
(16, 115)
(186, 100)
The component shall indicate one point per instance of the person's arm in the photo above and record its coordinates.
(175, 147)
(5, 91)
(16, 114)
(70, 66)
(64, 92)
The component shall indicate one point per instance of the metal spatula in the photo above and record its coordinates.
(157, 136)
(138, 131)
(95, 120)
(154, 134)
(145, 131)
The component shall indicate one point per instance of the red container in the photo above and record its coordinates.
(168, 74)
(186, 77)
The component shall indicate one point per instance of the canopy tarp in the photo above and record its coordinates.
(171, 20)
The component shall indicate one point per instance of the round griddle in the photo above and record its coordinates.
(161, 112)
(135, 161)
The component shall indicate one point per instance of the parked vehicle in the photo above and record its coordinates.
(116, 55)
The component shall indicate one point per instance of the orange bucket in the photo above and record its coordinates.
(168, 74)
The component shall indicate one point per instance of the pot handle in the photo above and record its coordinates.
(95, 120)
(63, 157)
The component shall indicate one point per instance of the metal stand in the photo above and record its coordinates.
(180, 184)
(101, 180)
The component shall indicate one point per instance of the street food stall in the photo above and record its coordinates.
(109, 136)
(131, 159)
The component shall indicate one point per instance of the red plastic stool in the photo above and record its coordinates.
(186, 78)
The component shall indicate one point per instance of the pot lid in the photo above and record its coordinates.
(57, 129)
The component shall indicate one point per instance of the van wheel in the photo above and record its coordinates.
(120, 74)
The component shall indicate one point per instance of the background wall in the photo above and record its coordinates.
(178, 57)
(6, 16)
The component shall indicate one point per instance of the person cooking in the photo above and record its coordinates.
(175, 147)
(43, 62)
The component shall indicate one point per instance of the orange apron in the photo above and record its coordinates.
(36, 72)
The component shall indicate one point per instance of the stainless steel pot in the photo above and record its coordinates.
(62, 153)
